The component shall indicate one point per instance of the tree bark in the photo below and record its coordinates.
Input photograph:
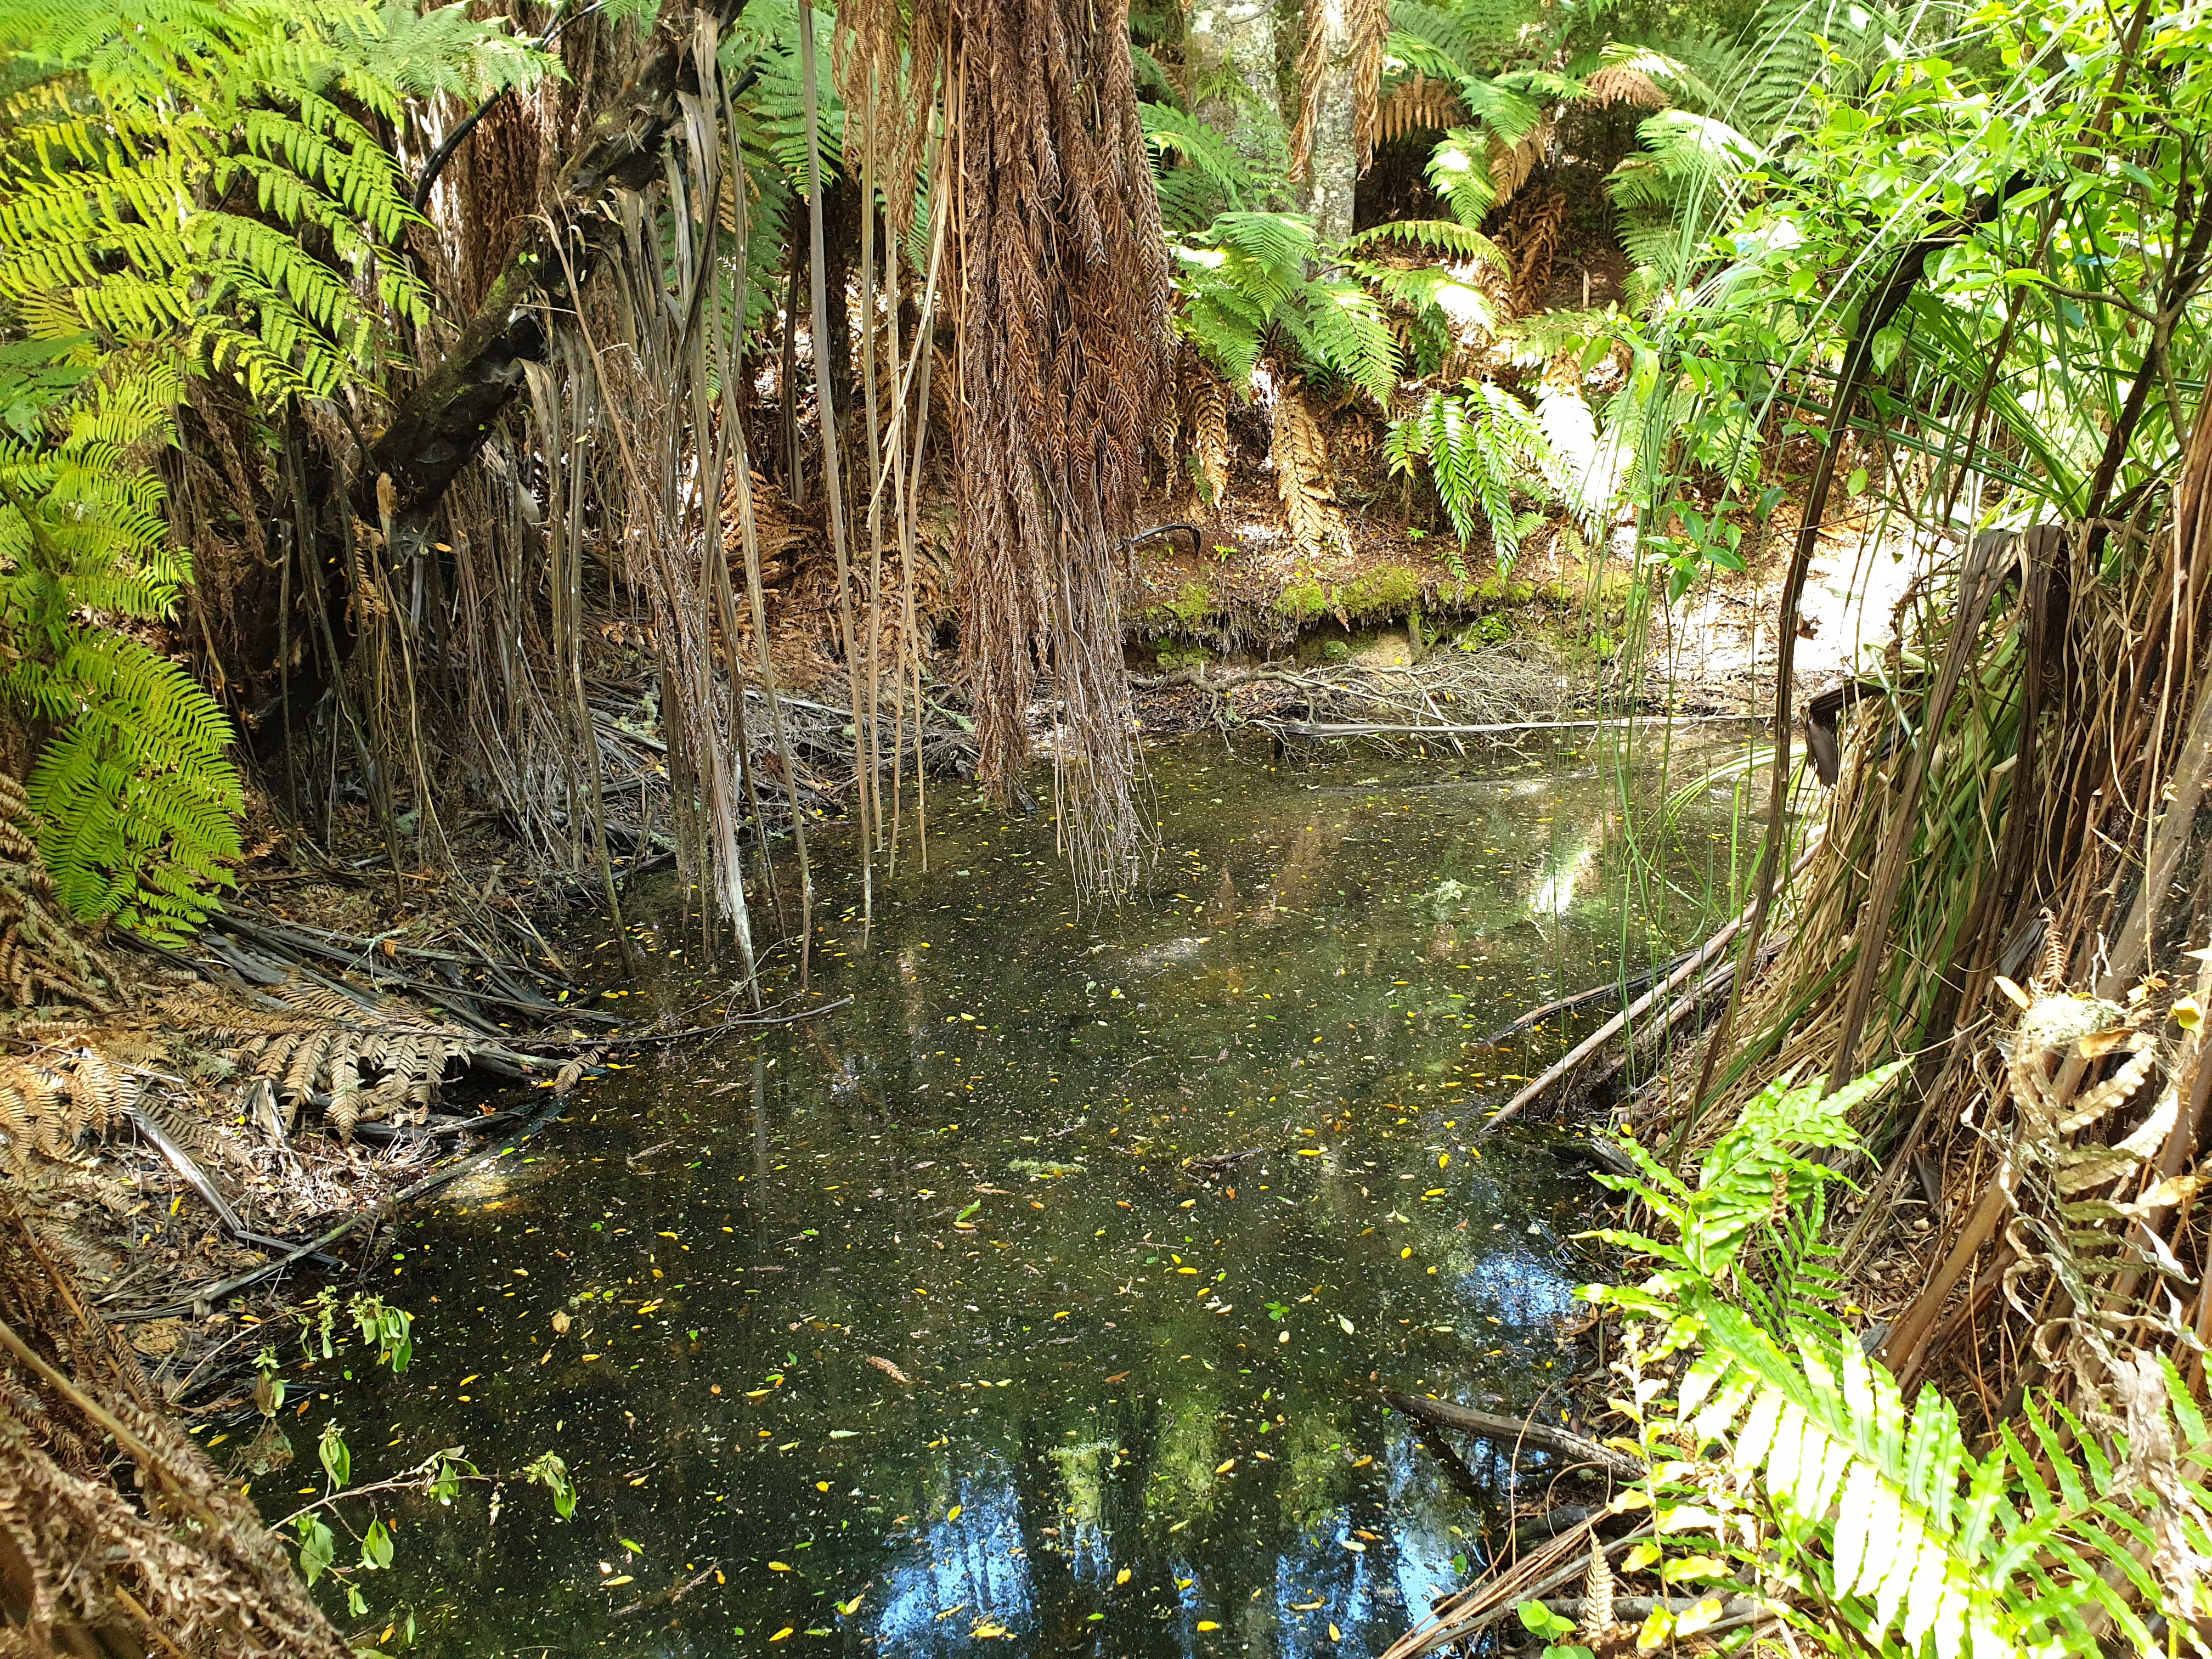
(438, 428)
(1230, 48)
(1333, 169)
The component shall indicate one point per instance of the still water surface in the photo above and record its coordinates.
(1036, 1302)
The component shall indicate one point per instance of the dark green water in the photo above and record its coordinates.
(1140, 1413)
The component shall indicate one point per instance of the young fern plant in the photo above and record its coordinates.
(1787, 1467)
(1486, 451)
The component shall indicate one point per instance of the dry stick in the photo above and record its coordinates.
(864, 744)
(1375, 728)
(749, 537)
(833, 483)
(1513, 1431)
(1979, 578)
(907, 484)
(1605, 1033)
(1881, 306)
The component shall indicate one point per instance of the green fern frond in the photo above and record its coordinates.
(137, 798)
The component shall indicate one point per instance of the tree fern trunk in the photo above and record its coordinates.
(1331, 169)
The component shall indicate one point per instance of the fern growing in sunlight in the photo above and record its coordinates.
(1485, 448)
(165, 162)
(1248, 285)
(1793, 1471)
(185, 190)
(136, 798)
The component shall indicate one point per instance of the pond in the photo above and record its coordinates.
(1038, 1301)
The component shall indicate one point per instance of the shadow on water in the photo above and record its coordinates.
(1036, 1302)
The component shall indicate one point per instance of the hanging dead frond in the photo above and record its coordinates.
(1369, 22)
(1209, 423)
(1511, 164)
(1419, 105)
(1531, 237)
(1313, 86)
(1304, 477)
(1064, 352)
(1616, 83)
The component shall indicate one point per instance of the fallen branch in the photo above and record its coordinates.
(207, 1295)
(1513, 1431)
(1605, 1033)
(1379, 729)
(1563, 1004)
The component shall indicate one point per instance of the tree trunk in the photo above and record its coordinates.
(1231, 51)
(1333, 168)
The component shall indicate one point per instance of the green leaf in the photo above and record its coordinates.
(337, 1461)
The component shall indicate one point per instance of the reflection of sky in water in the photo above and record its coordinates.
(1312, 972)
(975, 1565)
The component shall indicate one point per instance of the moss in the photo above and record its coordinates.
(1388, 589)
(1302, 602)
(1192, 605)
(1172, 656)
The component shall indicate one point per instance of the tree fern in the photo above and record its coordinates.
(165, 162)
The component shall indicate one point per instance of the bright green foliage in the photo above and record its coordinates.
(1484, 448)
(770, 122)
(136, 797)
(1246, 286)
(1197, 172)
(1788, 1466)
(186, 190)
(165, 165)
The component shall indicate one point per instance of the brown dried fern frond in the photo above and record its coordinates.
(1616, 83)
(1304, 477)
(1370, 29)
(1511, 164)
(1209, 421)
(1313, 86)
(1419, 105)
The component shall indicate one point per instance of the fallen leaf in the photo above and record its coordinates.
(1207, 1624)
(1225, 1466)
(842, 1434)
(1119, 1376)
(781, 1634)
(952, 1514)
(1346, 1323)
(1122, 1577)
(561, 1323)
(619, 1579)
(779, 1566)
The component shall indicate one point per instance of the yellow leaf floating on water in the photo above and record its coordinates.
(781, 1634)
(1334, 1634)
(619, 1579)
(848, 1608)
(988, 1630)
(1444, 1160)
(779, 1566)
(1225, 1466)
(561, 1323)
(1355, 1546)
(1403, 1253)
(1122, 1577)
(1307, 1607)
(952, 1514)
(822, 1486)
(1207, 1624)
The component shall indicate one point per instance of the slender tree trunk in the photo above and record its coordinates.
(1235, 88)
(1332, 170)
